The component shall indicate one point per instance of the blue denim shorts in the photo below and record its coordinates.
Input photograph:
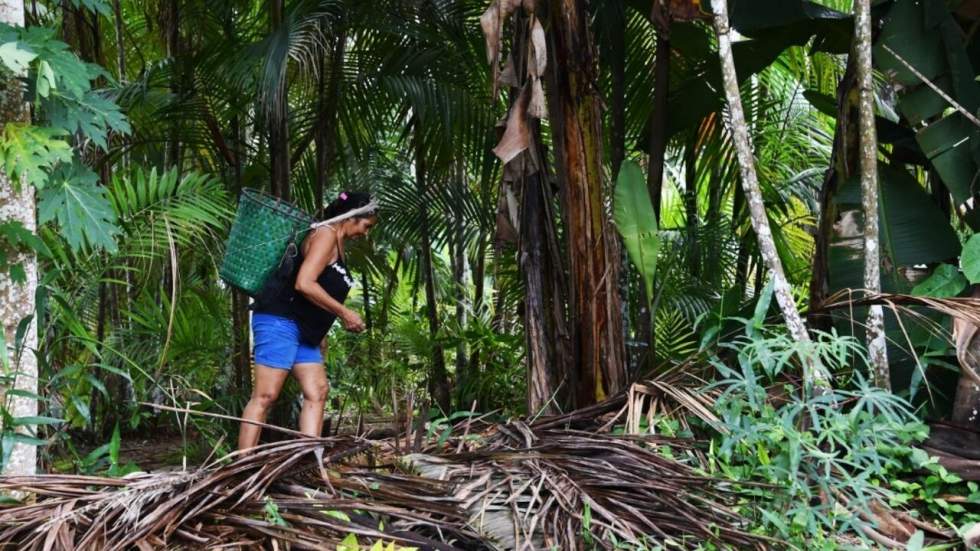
(277, 343)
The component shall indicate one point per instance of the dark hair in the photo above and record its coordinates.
(345, 202)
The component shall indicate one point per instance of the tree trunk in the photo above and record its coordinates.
(241, 359)
(814, 373)
(577, 131)
(691, 204)
(326, 130)
(658, 119)
(541, 362)
(842, 165)
(966, 407)
(617, 55)
(279, 118)
(17, 297)
(172, 157)
(438, 381)
(120, 41)
(713, 221)
(877, 350)
(459, 274)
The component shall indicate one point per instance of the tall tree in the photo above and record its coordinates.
(328, 96)
(814, 373)
(17, 206)
(278, 107)
(577, 128)
(438, 381)
(877, 351)
(660, 15)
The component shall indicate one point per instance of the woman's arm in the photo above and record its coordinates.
(322, 250)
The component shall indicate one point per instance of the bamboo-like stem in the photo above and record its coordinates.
(877, 349)
(814, 374)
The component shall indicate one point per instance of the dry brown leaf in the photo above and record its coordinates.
(492, 22)
(517, 136)
(539, 50)
(507, 75)
(686, 10)
(537, 107)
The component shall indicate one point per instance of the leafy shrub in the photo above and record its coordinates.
(810, 460)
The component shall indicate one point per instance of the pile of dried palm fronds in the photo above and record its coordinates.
(523, 488)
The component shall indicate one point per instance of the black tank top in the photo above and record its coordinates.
(280, 298)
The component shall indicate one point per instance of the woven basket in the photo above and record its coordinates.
(264, 227)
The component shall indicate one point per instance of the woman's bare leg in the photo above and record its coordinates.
(268, 383)
(313, 380)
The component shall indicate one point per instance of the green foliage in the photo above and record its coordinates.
(68, 115)
(31, 152)
(105, 459)
(806, 446)
(933, 494)
(271, 512)
(637, 222)
(74, 199)
(944, 282)
(970, 261)
(15, 238)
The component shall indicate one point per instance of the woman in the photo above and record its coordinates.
(291, 320)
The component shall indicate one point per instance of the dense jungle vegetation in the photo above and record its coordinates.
(749, 235)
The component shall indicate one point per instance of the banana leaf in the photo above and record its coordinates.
(923, 34)
(636, 222)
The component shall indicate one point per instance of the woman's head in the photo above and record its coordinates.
(356, 225)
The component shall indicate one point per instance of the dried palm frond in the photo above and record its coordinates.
(532, 488)
(965, 308)
(230, 502)
(526, 487)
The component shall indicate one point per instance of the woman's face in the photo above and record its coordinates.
(359, 227)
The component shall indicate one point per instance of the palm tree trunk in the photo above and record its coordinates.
(691, 204)
(459, 274)
(172, 156)
(841, 167)
(658, 119)
(877, 351)
(17, 204)
(279, 118)
(438, 381)
(577, 131)
(326, 131)
(541, 364)
(814, 373)
(618, 61)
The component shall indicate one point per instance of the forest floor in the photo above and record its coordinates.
(551, 483)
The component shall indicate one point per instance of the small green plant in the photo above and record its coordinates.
(271, 513)
(814, 452)
(105, 459)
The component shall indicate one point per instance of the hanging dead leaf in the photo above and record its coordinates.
(687, 10)
(507, 76)
(538, 56)
(492, 22)
(517, 136)
(537, 107)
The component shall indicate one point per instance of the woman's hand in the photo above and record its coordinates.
(352, 322)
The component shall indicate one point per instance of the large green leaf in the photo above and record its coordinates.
(946, 281)
(773, 25)
(637, 222)
(923, 34)
(912, 231)
(16, 57)
(30, 152)
(971, 259)
(81, 208)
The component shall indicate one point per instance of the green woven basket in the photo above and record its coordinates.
(264, 227)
